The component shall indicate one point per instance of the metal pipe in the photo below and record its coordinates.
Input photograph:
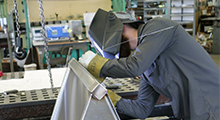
(27, 24)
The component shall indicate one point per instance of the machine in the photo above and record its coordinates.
(76, 29)
(37, 33)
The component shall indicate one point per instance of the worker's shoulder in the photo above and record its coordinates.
(160, 21)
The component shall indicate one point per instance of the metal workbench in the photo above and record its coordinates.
(40, 103)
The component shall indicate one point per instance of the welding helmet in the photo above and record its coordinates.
(105, 31)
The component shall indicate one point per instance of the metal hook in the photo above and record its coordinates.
(19, 52)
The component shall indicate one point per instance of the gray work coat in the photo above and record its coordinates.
(173, 64)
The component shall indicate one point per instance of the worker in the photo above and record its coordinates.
(169, 61)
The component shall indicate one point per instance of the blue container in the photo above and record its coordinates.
(57, 31)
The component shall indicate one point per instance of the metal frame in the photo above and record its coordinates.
(82, 97)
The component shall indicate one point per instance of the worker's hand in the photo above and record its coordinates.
(93, 63)
(114, 97)
(86, 58)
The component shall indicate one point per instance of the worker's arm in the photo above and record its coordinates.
(142, 106)
(148, 50)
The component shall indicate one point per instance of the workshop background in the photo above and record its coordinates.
(24, 73)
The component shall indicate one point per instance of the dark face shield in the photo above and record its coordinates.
(101, 52)
(106, 30)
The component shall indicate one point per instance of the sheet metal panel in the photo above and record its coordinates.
(76, 99)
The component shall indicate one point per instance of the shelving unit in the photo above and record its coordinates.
(155, 8)
(181, 11)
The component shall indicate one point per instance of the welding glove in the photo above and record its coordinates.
(113, 96)
(93, 63)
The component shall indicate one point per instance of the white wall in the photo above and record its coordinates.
(64, 8)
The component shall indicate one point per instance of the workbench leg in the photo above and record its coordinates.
(1, 58)
(40, 54)
(77, 54)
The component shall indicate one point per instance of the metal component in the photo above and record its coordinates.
(45, 42)
(57, 18)
(22, 93)
(19, 53)
(112, 86)
(93, 110)
(17, 19)
(88, 80)
(28, 104)
(76, 97)
(126, 86)
(9, 93)
(26, 13)
(68, 55)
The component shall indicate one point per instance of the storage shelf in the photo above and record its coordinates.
(179, 0)
(152, 0)
(155, 8)
(3, 36)
(155, 16)
(179, 14)
(184, 22)
(181, 11)
(189, 29)
(183, 7)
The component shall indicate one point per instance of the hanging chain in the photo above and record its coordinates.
(45, 42)
(17, 19)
